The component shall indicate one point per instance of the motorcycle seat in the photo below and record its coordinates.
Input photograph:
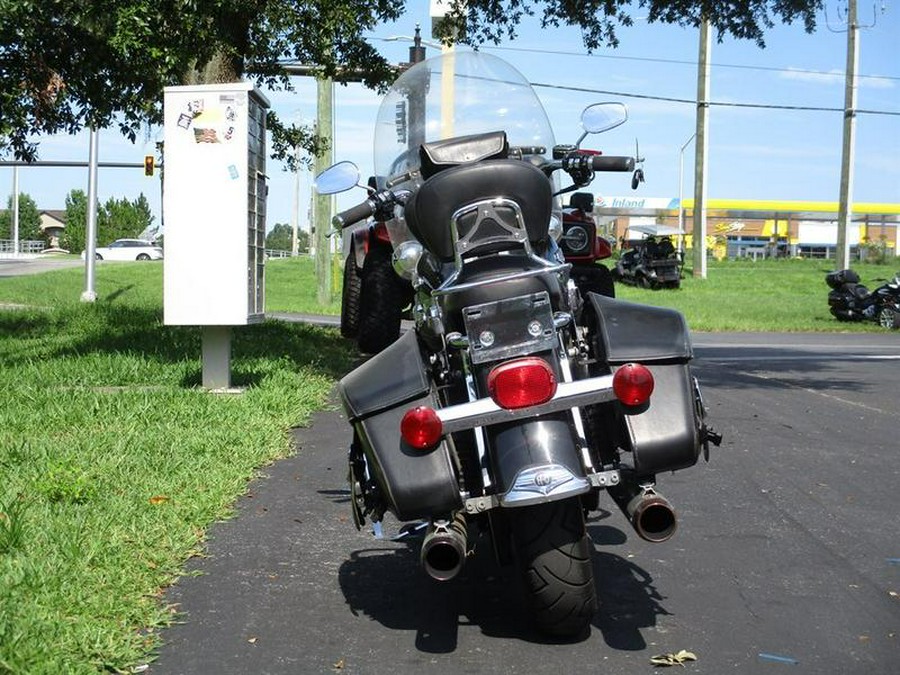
(430, 211)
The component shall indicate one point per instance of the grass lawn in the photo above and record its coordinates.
(114, 462)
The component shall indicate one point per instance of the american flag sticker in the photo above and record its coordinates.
(206, 136)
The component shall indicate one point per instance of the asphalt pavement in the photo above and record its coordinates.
(787, 555)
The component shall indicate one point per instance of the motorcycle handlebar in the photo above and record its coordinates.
(612, 163)
(354, 214)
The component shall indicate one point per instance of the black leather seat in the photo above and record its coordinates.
(430, 210)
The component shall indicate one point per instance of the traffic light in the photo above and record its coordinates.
(148, 165)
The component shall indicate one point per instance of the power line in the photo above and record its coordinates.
(722, 104)
(801, 71)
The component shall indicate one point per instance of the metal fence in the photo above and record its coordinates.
(27, 246)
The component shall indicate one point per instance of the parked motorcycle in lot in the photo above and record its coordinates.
(849, 300)
(373, 297)
(584, 248)
(516, 400)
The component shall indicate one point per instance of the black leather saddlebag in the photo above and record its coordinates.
(665, 436)
(376, 395)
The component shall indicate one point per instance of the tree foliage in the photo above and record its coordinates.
(280, 237)
(73, 236)
(68, 65)
(478, 21)
(29, 219)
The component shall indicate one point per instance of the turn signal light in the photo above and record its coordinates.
(521, 383)
(633, 384)
(421, 428)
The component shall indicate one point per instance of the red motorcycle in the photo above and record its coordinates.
(584, 248)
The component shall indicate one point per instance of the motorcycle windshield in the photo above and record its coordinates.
(459, 93)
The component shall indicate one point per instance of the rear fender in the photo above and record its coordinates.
(536, 460)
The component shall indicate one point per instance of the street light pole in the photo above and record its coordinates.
(681, 186)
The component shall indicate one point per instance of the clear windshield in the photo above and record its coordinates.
(456, 94)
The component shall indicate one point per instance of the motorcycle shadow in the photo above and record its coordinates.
(387, 585)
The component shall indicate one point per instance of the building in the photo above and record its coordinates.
(753, 228)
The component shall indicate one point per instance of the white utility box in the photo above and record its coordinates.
(214, 205)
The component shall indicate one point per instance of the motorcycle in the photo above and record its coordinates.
(849, 300)
(373, 297)
(584, 248)
(516, 400)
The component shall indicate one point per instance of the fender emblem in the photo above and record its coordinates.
(543, 479)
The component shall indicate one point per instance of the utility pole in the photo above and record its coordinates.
(845, 211)
(324, 107)
(295, 217)
(701, 153)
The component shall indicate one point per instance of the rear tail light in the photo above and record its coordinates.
(633, 384)
(522, 383)
(421, 428)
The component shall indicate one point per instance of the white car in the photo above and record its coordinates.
(129, 249)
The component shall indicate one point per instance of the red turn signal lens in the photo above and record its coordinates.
(633, 384)
(421, 428)
(521, 383)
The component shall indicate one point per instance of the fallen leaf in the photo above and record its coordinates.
(339, 665)
(158, 499)
(673, 659)
(252, 641)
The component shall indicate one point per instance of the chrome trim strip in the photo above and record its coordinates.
(484, 412)
(446, 289)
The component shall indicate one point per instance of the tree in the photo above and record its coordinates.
(29, 219)
(65, 66)
(68, 65)
(76, 218)
(478, 21)
(121, 218)
(280, 237)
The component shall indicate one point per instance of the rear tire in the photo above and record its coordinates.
(381, 302)
(350, 298)
(554, 555)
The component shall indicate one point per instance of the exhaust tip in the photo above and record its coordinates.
(655, 520)
(442, 561)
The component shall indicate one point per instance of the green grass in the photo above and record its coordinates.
(786, 295)
(113, 461)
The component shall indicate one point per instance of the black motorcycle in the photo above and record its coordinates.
(850, 300)
(515, 401)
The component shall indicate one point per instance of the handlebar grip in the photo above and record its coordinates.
(354, 214)
(612, 163)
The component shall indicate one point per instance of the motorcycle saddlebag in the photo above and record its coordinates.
(665, 436)
(376, 395)
(838, 278)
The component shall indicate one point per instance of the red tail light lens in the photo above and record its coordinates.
(633, 384)
(522, 383)
(421, 428)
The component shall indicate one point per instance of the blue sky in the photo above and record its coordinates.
(755, 153)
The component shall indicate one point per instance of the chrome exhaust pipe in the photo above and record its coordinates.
(649, 513)
(444, 547)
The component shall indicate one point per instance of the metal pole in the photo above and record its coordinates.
(845, 215)
(681, 187)
(90, 237)
(295, 216)
(702, 152)
(15, 212)
(324, 113)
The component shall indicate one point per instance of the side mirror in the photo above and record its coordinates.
(339, 177)
(602, 117)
